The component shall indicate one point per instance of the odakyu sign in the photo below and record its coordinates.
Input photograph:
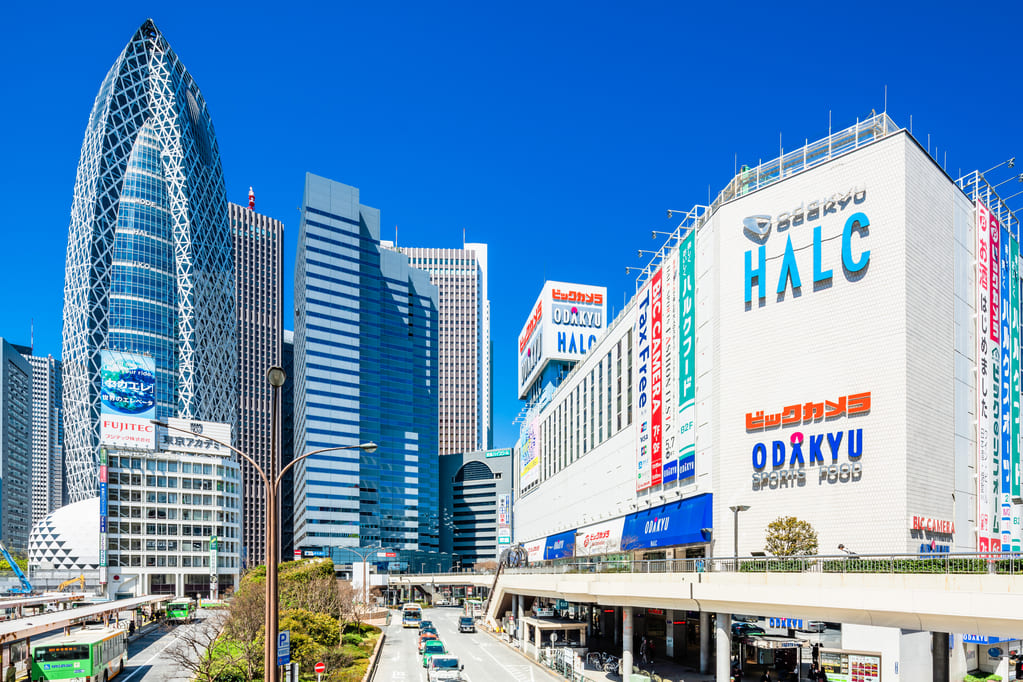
(810, 265)
(828, 454)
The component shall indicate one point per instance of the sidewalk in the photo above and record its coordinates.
(667, 671)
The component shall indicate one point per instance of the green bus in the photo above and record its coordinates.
(92, 654)
(182, 610)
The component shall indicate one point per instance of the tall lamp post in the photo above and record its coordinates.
(276, 376)
(368, 551)
(735, 529)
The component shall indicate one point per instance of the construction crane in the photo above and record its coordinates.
(68, 583)
(26, 586)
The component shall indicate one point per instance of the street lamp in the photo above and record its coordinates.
(365, 576)
(735, 528)
(276, 376)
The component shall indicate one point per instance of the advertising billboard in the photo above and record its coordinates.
(685, 428)
(196, 438)
(648, 433)
(504, 519)
(103, 512)
(600, 538)
(985, 389)
(529, 456)
(566, 320)
(127, 400)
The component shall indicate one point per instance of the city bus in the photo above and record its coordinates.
(92, 654)
(181, 610)
(411, 614)
(473, 607)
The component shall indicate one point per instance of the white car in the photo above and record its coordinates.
(815, 626)
(444, 668)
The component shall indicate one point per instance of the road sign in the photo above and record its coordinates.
(320, 668)
(284, 648)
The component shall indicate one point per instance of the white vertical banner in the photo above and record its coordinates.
(641, 387)
(669, 338)
(985, 396)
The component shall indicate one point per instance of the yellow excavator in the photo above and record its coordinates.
(68, 583)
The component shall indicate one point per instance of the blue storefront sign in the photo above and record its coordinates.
(676, 523)
(983, 639)
(560, 546)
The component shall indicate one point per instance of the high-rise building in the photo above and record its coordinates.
(15, 447)
(476, 503)
(365, 370)
(464, 373)
(258, 267)
(149, 265)
(287, 493)
(47, 436)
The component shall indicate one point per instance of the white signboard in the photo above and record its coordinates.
(534, 550)
(195, 436)
(600, 538)
(566, 320)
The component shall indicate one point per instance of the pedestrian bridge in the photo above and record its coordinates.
(971, 595)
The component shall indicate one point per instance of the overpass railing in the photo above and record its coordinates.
(1000, 563)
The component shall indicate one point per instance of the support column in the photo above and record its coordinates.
(520, 632)
(705, 642)
(669, 633)
(539, 634)
(939, 656)
(626, 642)
(724, 646)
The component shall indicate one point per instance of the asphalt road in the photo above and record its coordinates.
(485, 659)
(147, 656)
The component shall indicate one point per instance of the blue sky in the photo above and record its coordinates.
(558, 133)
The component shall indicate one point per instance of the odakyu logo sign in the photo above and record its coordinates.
(831, 455)
(790, 269)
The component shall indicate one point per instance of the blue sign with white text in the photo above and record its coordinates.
(560, 546)
(284, 648)
(675, 523)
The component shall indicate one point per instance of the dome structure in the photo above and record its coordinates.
(67, 539)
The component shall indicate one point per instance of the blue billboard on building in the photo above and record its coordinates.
(676, 523)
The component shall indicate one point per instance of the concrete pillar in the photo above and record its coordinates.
(669, 633)
(519, 614)
(724, 646)
(539, 634)
(705, 642)
(939, 657)
(626, 642)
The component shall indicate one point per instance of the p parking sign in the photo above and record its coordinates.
(284, 648)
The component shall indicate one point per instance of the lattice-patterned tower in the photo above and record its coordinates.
(149, 264)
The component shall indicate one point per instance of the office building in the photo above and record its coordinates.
(149, 258)
(15, 446)
(465, 352)
(476, 505)
(287, 496)
(47, 436)
(365, 371)
(258, 267)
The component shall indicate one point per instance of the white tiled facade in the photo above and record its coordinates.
(47, 437)
(898, 325)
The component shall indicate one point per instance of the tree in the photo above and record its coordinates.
(789, 536)
(245, 628)
(195, 650)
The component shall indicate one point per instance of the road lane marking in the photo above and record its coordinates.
(138, 669)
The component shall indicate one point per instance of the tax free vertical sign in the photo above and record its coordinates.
(649, 351)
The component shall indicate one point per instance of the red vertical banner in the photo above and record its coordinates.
(656, 375)
(996, 296)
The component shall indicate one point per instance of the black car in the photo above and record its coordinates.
(466, 624)
(425, 624)
(745, 629)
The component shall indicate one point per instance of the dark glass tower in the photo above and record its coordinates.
(149, 266)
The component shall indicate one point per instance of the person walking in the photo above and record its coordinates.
(10, 675)
(766, 677)
(643, 651)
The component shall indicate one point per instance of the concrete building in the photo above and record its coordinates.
(149, 257)
(834, 338)
(476, 503)
(47, 436)
(173, 522)
(259, 300)
(465, 408)
(15, 447)
(365, 371)
(287, 495)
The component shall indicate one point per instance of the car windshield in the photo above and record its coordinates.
(433, 647)
(425, 624)
(444, 663)
(465, 619)
(428, 631)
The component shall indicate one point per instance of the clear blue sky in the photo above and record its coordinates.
(558, 133)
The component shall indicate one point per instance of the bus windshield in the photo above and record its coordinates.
(411, 614)
(48, 654)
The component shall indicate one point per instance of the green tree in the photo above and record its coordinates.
(789, 536)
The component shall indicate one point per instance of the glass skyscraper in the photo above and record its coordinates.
(149, 262)
(366, 332)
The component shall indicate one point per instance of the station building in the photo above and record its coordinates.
(835, 338)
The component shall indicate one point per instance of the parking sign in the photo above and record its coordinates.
(284, 648)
